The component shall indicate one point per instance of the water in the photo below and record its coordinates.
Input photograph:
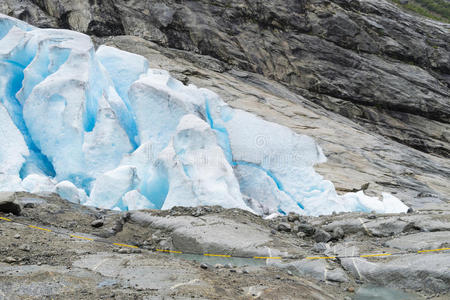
(372, 292)
(235, 261)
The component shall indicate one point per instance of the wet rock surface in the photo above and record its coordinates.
(36, 264)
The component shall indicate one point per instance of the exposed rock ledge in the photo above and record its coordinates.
(35, 264)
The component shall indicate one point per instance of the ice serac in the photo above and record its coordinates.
(198, 171)
(65, 103)
(159, 102)
(109, 188)
(124, 68)
(134, 200)
(142, 158)
(67, 190)
(13, 150)
(100, 128)
(36, 183)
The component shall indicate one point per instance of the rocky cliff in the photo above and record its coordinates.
(367, 80)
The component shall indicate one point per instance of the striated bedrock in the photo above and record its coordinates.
(362, 77)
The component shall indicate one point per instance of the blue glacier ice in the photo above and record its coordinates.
(101, 128)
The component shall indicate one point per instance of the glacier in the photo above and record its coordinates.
(101, 128)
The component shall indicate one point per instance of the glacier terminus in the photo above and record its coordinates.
(101, 128)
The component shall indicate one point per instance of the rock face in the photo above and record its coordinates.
(367, 80)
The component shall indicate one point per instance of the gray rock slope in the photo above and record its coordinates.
(367, 80)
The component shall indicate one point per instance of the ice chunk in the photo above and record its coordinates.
(392, 204)
(36, 183)
(276, 155)
(105, 146)
(134, 200)
(159, 102)
(67, 190)
(198, 171)
(13, 148)
(255, 183)
(142, 158)
(269, 145)
(66, 112)
(109, 188)
(10, 183)
(7, 23)
(155, 185)
(124, 68)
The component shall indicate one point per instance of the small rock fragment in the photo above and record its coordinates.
(365, 186)
(29, 205)
(97, 223)
(17, 236)
(320, 247)
(284, 227)
(301, 235)
(204, 266)
(9, 260)
(123, 251)
(292, 217)
(25, 247)
(198, 212)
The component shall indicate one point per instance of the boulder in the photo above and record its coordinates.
(8, 203)
(321, 236)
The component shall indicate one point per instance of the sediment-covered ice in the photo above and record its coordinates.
(101, 128)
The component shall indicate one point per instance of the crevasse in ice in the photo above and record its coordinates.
(101, 128)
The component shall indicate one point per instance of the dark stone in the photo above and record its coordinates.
(284, 227)
(306, 228)
(321, 236)
(337, 234)
(97, 223)
(365, 186)
(9, 205)
(29, 205)
(292, 217)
